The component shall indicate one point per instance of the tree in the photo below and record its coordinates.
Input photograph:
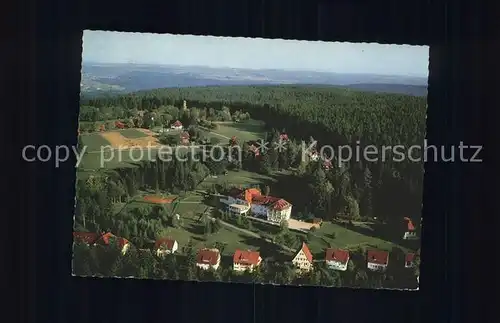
(267, 190)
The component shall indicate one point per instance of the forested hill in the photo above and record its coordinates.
(332, 116)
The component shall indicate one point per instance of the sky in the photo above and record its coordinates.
(254, 53)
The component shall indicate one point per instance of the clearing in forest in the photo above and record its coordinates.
(130, 138)
(245, 130)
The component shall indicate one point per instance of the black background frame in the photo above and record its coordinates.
(46, 112)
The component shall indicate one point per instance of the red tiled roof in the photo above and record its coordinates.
(249, 194)
(208, 256)
(337, 255)
(378, 257)
(105, 238)
(264, 200)
(165, 242)
(177, 124)
(281, 204)
(409, 257)
(86, 237)
(284, 136)
(246, 257)
(304, 248)
(184, 135)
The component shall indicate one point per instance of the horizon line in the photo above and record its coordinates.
(252, 69)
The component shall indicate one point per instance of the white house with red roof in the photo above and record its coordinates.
(377, 260)
(303, 259)
(165, 246)
(246, 260)
(337, 259)
(176, 125)
(208, 259)
(411, 232)
(327, 164)
(271, 208)
(410, 260)
(184, 137)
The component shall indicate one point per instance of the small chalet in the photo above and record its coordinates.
(314, 155)
(233, 141)
(411, 232)
(165, 246)
(176, 125)
(208, 259)
(303, 259)
(119, 125)
(377, 260)
(284, 137)
(93, 239)
(410, 260)
(337, 259)
(244, 260)
(252, 148)
(327, 164)
(184, 138)
(108, 239)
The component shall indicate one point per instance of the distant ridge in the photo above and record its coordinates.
(124, 78)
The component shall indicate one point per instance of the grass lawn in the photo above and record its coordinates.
(241, 177)
(132, 133)
(246, 130)
(111, 160)
(94, 141)
(340, 237)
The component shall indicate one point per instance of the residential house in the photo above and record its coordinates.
(410, 260)
(208, 259)
(337, 259)
(176, 125)
(327, 164)
(165, 246)
(411, 232)
(313, 155)
(253, 148)
(377, 260)
(184, 138)
(244, 260)
(119, 125)
(108, 239)
(233, 141)
(283, 137)
(271, 208)
(303, 259)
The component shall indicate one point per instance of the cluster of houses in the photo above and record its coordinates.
(247, 260)
(240, 201)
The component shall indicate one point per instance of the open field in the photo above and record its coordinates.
(192, 228)
(246, 130)
(237, 178)
(130, 138)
